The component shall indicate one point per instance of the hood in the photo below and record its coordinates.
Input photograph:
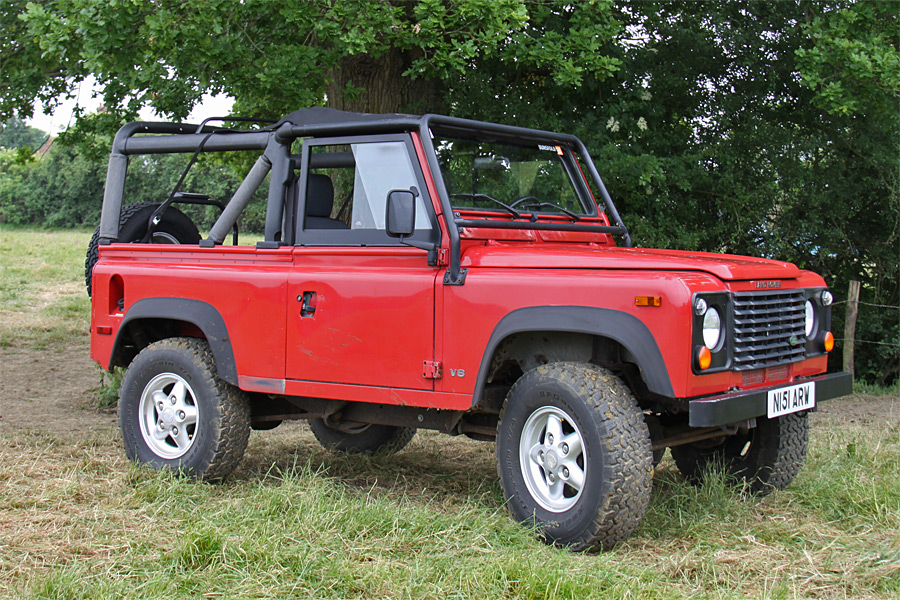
(542, 256)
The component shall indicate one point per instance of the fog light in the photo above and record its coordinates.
(704, 358)
(829, 342)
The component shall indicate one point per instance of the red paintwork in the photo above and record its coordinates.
(247, 286)
(374, 319)
(380, 312)
(723, 266)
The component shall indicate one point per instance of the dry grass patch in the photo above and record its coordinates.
(77, 520)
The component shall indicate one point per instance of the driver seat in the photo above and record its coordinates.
(320, 203)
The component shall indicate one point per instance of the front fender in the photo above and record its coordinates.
(621, 327)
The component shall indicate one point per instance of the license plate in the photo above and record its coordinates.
(795, 398)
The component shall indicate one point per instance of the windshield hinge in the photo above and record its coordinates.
(443, 257)
(431, 369)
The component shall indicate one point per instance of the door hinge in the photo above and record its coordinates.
(431, 369)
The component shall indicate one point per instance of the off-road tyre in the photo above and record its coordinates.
(616, 460)
(175, 227)
(221, 411)
(372, 439)
(763, 459)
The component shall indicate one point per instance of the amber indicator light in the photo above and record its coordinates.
(648, 301)
(829, 342)
(704, 358)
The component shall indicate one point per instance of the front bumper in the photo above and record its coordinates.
(712, 411)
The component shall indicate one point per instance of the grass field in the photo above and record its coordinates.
(294, 521)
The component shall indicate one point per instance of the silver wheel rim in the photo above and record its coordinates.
(553, 459)
(169, 415)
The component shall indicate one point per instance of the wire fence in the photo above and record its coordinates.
(868, 342)
(866, 303)
(858, 341)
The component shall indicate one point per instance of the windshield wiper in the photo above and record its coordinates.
(539, 204)
(505, 206)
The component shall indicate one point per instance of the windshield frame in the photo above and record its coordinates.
(504, 154)
(432, 125)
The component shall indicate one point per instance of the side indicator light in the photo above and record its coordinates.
(704, 358)
(829, 342)
(104, 330)
(648, 301)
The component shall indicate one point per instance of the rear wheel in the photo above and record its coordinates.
(574, 455)
(765, 458)
(175, 413)
(366, 439)
(174, 228)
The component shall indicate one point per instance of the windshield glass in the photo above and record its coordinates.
(532, 178)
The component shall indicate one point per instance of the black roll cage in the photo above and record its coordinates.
(275, 141)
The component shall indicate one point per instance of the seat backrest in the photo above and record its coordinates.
(320, 203)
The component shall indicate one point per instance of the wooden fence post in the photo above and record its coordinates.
(850, 325)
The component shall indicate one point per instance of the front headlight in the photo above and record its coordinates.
(712, 328)
(810, 318)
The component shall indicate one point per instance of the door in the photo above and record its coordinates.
(360, 303)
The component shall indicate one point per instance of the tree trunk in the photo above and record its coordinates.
(850, 325)
(364, 83)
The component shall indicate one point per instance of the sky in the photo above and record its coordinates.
(88, 98)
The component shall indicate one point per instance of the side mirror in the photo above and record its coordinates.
(400, 219)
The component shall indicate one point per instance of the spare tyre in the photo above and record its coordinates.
(174, 227)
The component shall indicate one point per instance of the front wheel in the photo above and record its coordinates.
(574, 455)
(764, 458)
(175, 413)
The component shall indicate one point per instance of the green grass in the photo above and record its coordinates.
(43, 303)
(295, 521)
(871, 389)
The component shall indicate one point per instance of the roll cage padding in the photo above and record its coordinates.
(200, 314)
(618, 326)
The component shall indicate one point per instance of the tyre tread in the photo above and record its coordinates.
(627, 453)
(233, 422)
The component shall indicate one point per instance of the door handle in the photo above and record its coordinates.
(307, 302)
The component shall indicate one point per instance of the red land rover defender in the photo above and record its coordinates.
(468, 277)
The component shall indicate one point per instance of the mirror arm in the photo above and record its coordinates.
(431, 247)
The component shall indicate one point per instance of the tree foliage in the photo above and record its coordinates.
(14, 134)
(64, 188)
(275, 55)
(761, 128)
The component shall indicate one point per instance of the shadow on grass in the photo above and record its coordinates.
(433, 467)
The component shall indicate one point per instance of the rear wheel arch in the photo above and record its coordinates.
(543, 334)
(152, 319)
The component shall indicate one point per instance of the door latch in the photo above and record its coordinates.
(307, 302)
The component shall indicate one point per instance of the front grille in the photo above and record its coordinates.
(765, 325)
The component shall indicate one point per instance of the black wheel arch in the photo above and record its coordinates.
(152, 313)
(624, 329)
